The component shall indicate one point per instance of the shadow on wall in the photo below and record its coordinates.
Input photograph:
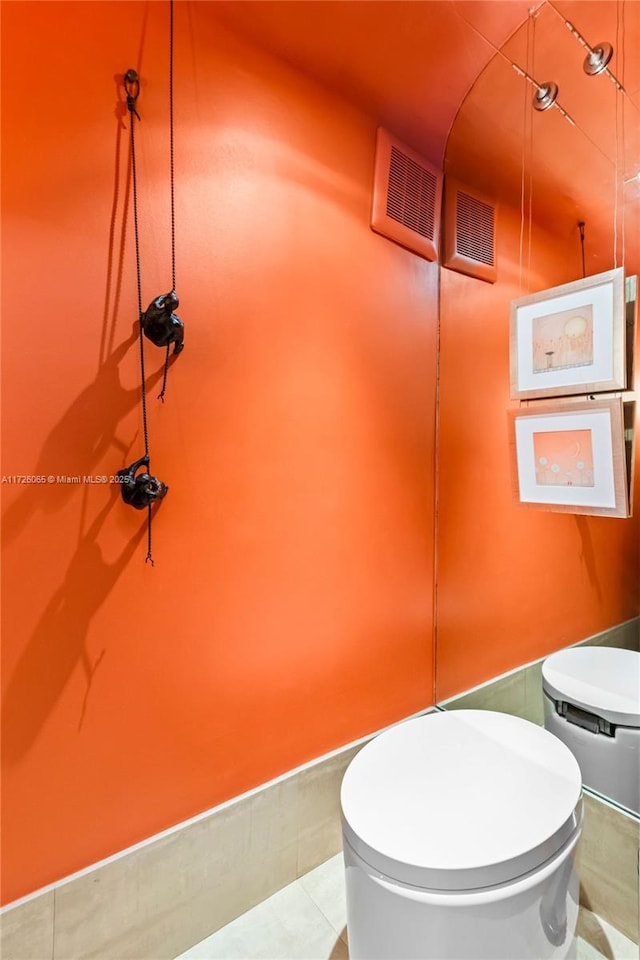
(111, 309)
(58, 642)
(588, 554)
(77, 444)
(89, 425)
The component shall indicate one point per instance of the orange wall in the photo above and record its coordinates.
(290, 607)
(512, 584)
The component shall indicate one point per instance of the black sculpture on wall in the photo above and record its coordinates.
(142, 490)
(161, 325)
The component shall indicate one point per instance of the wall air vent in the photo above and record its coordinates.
(407, 196)
(469, 233)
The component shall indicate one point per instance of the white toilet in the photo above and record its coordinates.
(592, 702)
(459, 832)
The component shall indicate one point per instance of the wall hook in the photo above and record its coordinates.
(132, 90)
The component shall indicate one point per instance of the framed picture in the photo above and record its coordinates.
(570, 456)
(570, 339)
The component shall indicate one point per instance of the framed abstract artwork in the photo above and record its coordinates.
(570, 457)
(570, 339)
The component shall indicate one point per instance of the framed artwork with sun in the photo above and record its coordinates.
(570, 339)
(570, 456)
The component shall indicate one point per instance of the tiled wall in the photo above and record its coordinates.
(608, 860)
(154, 901)
(159, 898)
(520, 692)
(609, 849)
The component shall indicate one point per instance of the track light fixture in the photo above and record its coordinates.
(597, 58)
(546, 94)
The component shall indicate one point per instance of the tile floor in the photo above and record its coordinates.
(307, 921)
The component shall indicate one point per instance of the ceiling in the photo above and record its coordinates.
(567, 172)
(429, 69)
(408, 64)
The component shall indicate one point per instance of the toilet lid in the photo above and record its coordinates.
(601, 680)
(461, 800)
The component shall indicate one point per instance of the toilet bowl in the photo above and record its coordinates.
(459, 832)
(592, 703)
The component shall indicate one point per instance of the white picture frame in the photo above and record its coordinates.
(570, 339)
(570, 457)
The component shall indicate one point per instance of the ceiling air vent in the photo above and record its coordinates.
(407, 195)
(469, 233)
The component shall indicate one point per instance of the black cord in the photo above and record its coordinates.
(581, 226)
(164, 376)
(139, 284)
(171, 165)
(131, 81)
(172, 188)
(149, 556)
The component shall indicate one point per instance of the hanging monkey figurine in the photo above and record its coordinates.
(143, 490)
(161, 325)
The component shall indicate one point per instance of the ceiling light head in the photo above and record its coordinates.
(545, 96)
(597, 59)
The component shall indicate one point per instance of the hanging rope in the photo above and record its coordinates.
(132, 89)
(620, 99)
(527, 125)
(581, 226)
(171, 167)
(158, 322)
(533, 16)
(172, 184)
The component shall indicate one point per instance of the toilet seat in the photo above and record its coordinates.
(604, 681)
(461, 800)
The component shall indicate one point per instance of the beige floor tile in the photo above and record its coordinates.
(326, 887)
(287, 926)
(597, 939)
(26, 931)
(302, 921)
(608, 866)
